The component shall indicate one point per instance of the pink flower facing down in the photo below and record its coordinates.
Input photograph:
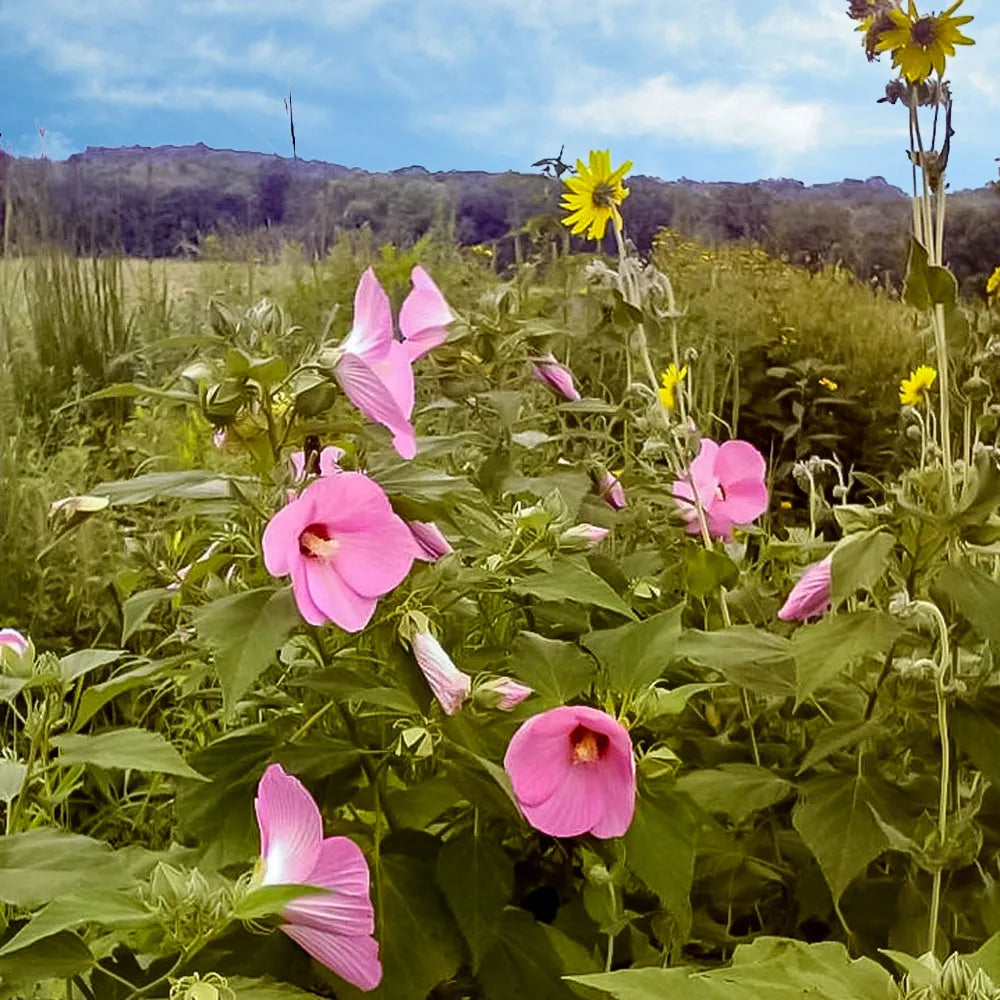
(336, 928)
(510, 692)
(431, 544)
(811, 595)
(556, 376)
(343, 547)
(329, 462)
(612, 492)
(375, 369)
(450, 685)
(11, 639)
(729, 479)
(573, 772)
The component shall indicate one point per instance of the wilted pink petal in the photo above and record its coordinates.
(589, 535)
(424, 316)
(612, 492)
(450, 685)
(556, 376)
(329, 462)
(431, 543)
(811, 595)
(573, 772)
(11, 639)
(729, 481)
(510, 692)
(336, 928)
(343, 546)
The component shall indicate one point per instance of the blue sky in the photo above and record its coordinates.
(707, 89)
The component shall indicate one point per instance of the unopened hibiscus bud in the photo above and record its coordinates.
(450, 685)
(612, 492)
(557, 377)
(11, 639)
(431, 544)
(503, 693)
(811, 595)
(583, 536)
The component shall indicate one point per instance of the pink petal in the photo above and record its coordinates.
(308, 608)
(346, 502)
(702, 469)
(450, 685)
(375, 400)
(614, 781)
(511, 692)
(396, 373)
(353, 958)
(539, 754)
(332, 597)
(371, 333)
(424, 316)
(12, 639)
(745, 500)
(291, 828)
(572, 809)
(281, 536)
(375, 559)
(612, 492)
(811, 595)
(431, 544)
(342, 869)
(720, 525)
(329, 460)
(556, 376)
(738, 460)
(298, 460)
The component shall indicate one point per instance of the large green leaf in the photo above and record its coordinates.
(735, 790)
(859, 560)
(745, 656)
(835, 817)
(572, 581)
(126, 749)
(477, 878)
(976, 595)
(61, 956)
(84, 660)
(190, 484)
(556, 671)
(660, 850)
(266, 989)
(927, 285)
(636, 654)
(245, 631)
(826, 648)
(12, 774)
(976, 728)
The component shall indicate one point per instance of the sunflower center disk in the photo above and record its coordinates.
(586, 745)
(924, 32)
(604, 195)
(315, 541)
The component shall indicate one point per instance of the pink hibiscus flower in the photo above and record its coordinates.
(431, 543)
(343, 547)
(11, 639)
(573, 772)
(336, 928)
(556, 376)
(729, 479)
(375, 369)
(450, 685)
(811, 595)
(329, 462)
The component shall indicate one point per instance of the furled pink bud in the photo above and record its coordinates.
(556, 376)
(431, 543)
(584, 535)
(504, 693)
(11, 639)
(450, 685)
(612, 492)
(811, 595)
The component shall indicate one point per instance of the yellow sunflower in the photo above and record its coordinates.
(594, 194)
(912, 389)
(828, 384)
(993, 284)
(919, 44)
(669, 380)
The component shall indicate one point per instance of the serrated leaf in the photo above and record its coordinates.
(570, 581)
(246, 630)
(125, 749)
(636, 654)
(556, 671)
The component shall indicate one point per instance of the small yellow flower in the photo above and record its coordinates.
(829, 384)
(919, 44)
(993, 284)
(669, 380)
(786, 504)
(594, 194)
(912, 389)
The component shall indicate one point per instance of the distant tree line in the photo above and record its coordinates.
(164, 202)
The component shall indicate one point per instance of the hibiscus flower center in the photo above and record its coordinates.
(924, 32)
(586, 746)
(315, 541)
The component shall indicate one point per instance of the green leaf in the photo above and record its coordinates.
(660, 851)
(745, 656)
(96, 696)
(656, 701)
(61, 956)
(109, 909)
(976, 728)
(636, 654)
(266, 989)
(556, 671)
(706, 570)
(571, 581)
(83, 661)
(840, 736)
(927, 285)
(477, 879)
(191, 484)
(835, 817)
(828, 647)
(976, 595)
(735, 790)
(246, 630)
(12, 774)
(268, 900)
(126, 749)
(137, 609)
(859, 560)
(41, 865)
